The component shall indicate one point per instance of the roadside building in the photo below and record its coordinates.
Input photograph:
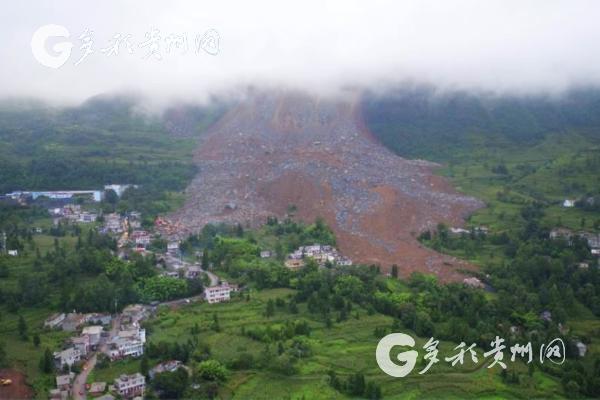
(219, 293)
(67, 357)
(82, 344)
(97, 388)
(129, 386)
(94, 332)
(193, 272)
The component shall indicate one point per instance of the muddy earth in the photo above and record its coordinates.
(280, 149)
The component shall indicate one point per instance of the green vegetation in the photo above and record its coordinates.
(104, 140)
(523, 157)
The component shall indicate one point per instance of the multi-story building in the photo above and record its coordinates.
(219, 293)
(130, 385)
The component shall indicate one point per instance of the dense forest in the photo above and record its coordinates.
(107, 139)
(422, 122)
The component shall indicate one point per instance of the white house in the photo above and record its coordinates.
(67, 357)
(265, 254)
(125, 347)
(568, 203)
(217, 294)
(94, 333)
(13, 253)
(130, 385)
(82, 344)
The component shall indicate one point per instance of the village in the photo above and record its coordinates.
(106, 338)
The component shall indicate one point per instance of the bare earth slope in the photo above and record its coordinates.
(278, 149)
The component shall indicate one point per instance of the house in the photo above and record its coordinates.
(87, 217)
(219, 293)
(113, 223)
(344, 261)
(82, 344)
(135, 333)
(97, 388)
(120, 347)
(564, 233)
(581, 348)
(67, 357)
(193, 272)
(173, 248)
(171, 274)
(322, 254)
(57, 394)
(459, 231)
(94, 332)
(473, 283)
(72, 322)
(13, 253)
(593, 239)
(64, 382)
(54, 321)
(167, 366)
(130, 385)
(134, 313)
(141, 238)
(99, 319)
(265, 254)
(568, 203)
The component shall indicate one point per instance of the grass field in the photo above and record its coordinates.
(347, 347)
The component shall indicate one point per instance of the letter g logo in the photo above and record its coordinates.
(409, 358)
(38, 46)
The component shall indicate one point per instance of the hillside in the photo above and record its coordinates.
(287, 151)
(422, 122)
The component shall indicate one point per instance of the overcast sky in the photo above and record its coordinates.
(516, 46)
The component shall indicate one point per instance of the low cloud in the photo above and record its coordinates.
(321, 46)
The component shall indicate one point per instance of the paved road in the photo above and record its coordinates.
(80, 380)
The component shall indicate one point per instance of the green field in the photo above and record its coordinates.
(346, 347)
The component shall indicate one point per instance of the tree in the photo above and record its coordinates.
(22, 328)
(111, 197)
(47, 362)
(36, 340)
(144, 367)
(215, 325)
(270, 310)
(205, 262)
(171, 385)
(395, 271)
(212, 370)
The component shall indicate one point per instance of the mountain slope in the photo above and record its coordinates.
(281, 149)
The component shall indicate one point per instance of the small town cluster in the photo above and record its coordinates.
(322, 254)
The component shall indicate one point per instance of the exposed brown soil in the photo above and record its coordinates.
(279, 149)
(18, 389)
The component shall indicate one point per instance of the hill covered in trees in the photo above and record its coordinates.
(421, 122)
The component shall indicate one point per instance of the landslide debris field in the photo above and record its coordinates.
(281, 149)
